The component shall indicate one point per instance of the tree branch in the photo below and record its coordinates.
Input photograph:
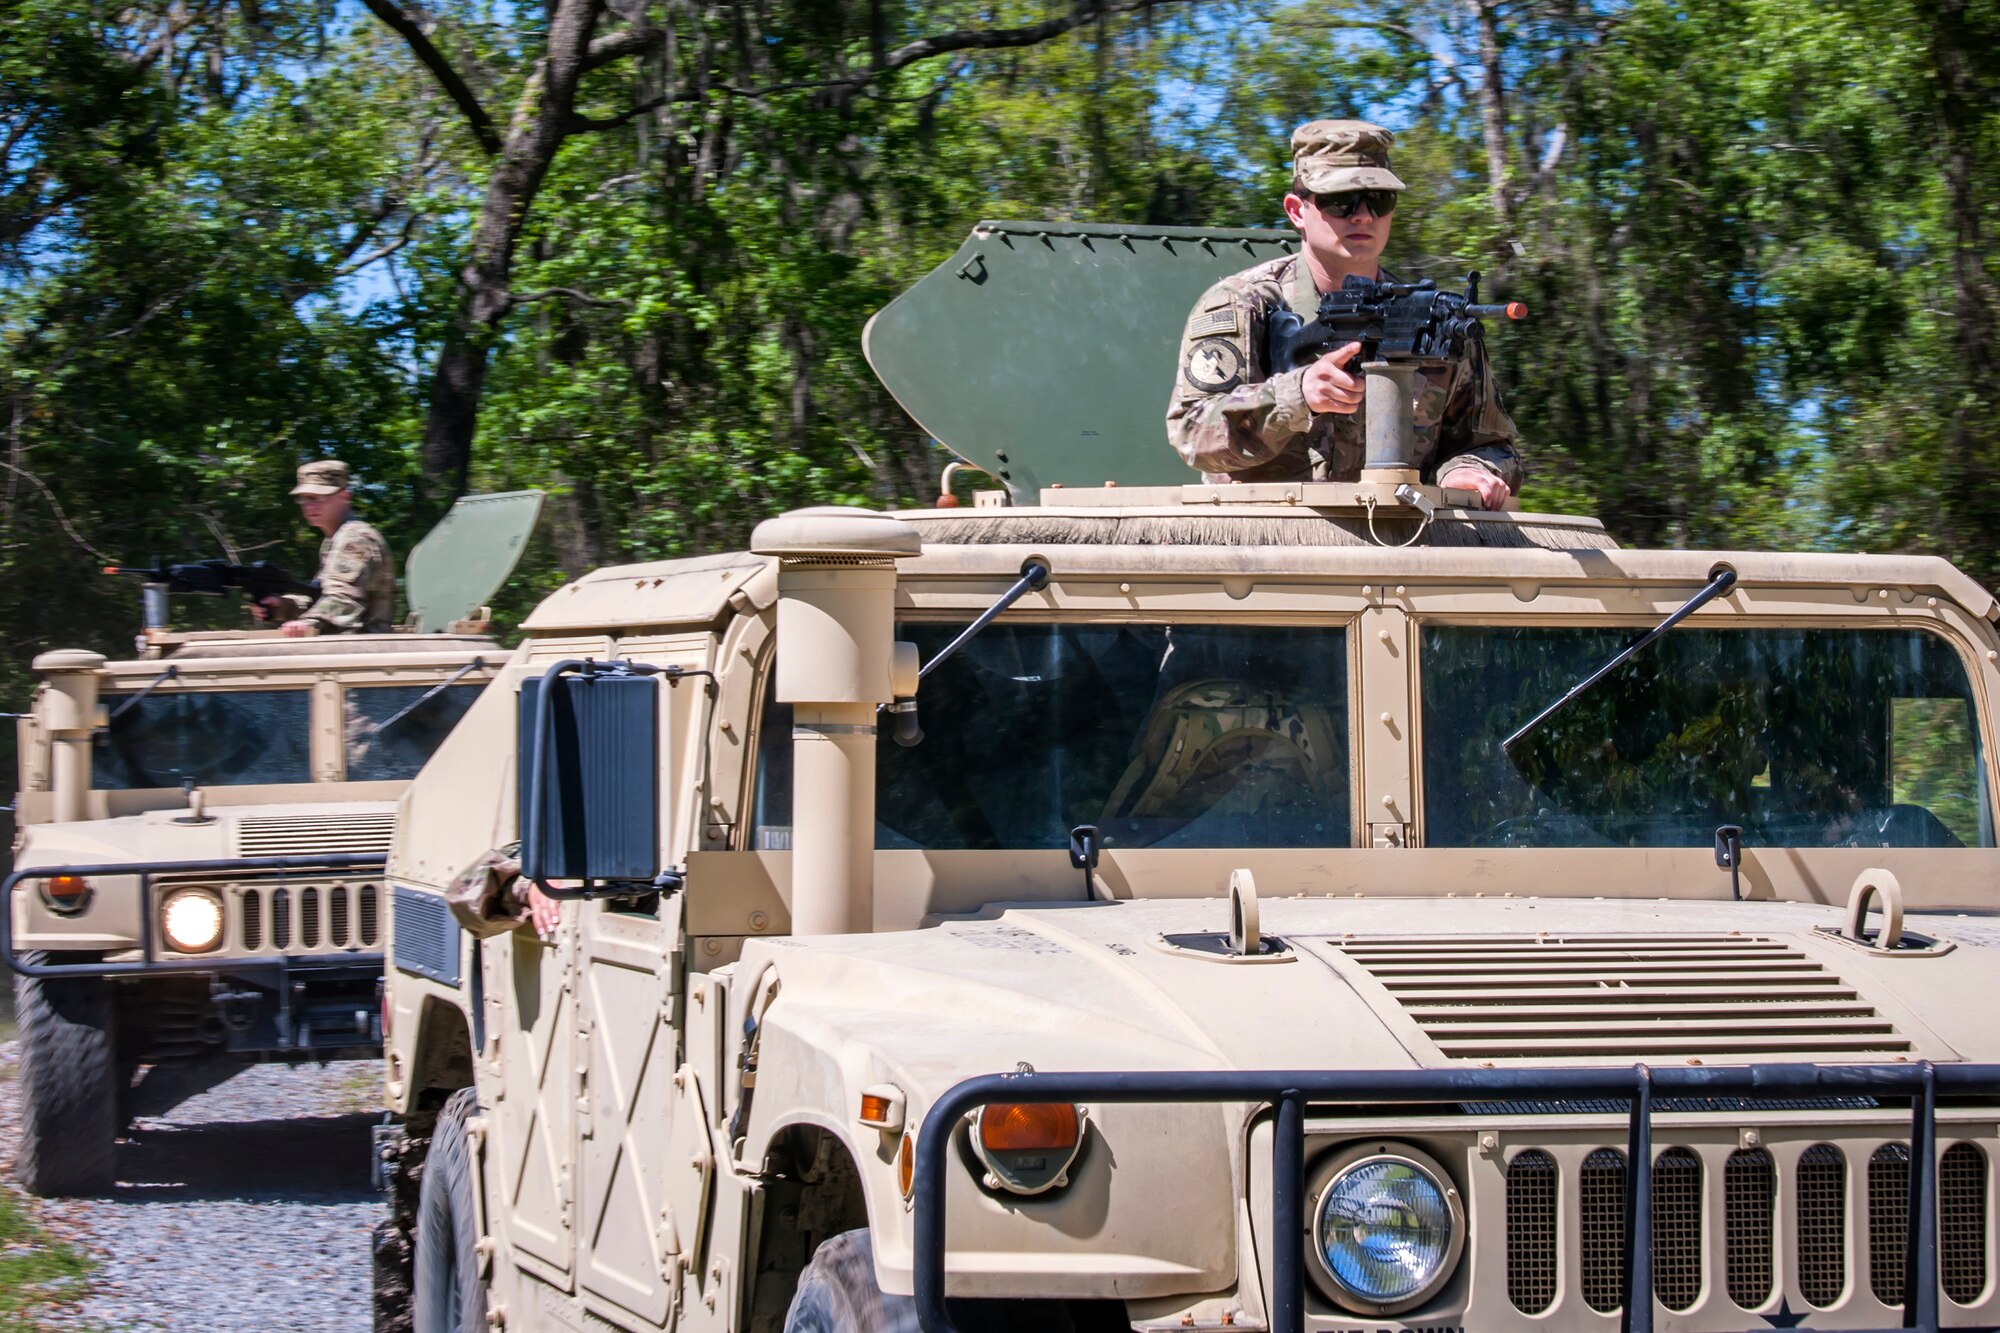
(581, 298)
(618, 45)
(983, 39)
(582, 124)
(403, 22)
(62, 519)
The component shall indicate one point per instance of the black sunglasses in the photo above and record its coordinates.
(1347, 203)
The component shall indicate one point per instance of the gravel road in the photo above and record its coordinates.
(245, 1209)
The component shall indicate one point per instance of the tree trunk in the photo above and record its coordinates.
(1493, 115)
(543, 118)
(1970, 512)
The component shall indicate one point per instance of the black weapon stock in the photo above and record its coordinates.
(215, 578)
(1393, 321)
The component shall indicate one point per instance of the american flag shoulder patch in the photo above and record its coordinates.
(1211, 322)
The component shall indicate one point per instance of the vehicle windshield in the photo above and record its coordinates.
(1162, 736)
(390, 730)
(217, 739)
(1803, 737)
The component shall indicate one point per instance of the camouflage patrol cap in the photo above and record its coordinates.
(328, 476)
(1333, 155)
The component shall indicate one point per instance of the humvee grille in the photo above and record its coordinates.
(1677, 1228)
(1962, 1240)
(296, 916)
(1531, 1231)
(1623, 997)
(1602, 1205)
(1821, 1190)
(307, 835)
(1750, 1192)
(1686, 1210)
(1888, 1214)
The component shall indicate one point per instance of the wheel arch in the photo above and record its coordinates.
(441, 1057)
(816, 1186)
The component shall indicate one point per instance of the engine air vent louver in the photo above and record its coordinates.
(309, 835)
(1624, 997)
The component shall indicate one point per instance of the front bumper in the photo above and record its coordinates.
(1289, 1094)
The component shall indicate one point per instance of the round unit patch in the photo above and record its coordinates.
(1214, 365)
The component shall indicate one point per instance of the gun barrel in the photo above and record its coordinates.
(1510, 310)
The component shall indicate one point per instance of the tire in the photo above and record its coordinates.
(69, 1092)
(837, 1294)
(448, 1295)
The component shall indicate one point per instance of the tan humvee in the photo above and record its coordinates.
(201, 830)
(1318, 997)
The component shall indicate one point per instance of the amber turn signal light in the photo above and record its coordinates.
(906, 1165)
(66, 893)
(1028, 1127)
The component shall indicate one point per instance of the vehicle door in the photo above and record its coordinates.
(627, 1044)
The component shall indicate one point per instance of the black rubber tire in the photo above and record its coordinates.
(69, 1092)
(448, 1295)
(837, 1294)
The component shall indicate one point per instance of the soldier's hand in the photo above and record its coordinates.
(544, 912)
(1492, 491)
(298, 629)
(1328, 388)
(266, 609)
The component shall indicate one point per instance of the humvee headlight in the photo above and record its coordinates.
(191, 919)
(1026, 1147)
(66, 894)
(1388, 1225)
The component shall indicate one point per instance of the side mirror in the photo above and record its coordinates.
(589, 777)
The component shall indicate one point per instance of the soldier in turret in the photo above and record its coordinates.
(357, 575)
(1235, 422)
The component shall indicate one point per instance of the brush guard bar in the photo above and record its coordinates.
(148, 963)
(1289, 1093)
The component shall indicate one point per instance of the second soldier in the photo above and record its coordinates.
(357, 575)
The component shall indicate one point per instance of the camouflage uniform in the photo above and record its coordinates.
(357, 576)
(1234, 422)
(357, 582)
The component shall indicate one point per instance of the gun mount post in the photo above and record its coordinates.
(154, 602)
(1390, 423)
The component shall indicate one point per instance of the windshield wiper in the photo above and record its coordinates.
(476, 664)
(151, 685)
(1720, 580)
(1034, 574)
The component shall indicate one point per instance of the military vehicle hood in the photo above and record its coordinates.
(1141, 985)
(168, 835)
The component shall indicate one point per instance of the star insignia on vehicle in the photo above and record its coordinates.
(1784, 1316)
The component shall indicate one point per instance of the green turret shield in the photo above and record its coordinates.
(462, 562)
(1043, 352)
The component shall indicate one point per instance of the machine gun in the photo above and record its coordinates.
(1410, 322)
(210, 578)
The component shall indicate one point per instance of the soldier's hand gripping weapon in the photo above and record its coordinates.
(1393, 321)
(215, 578)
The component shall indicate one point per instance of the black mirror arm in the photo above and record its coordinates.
(1720, 580)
